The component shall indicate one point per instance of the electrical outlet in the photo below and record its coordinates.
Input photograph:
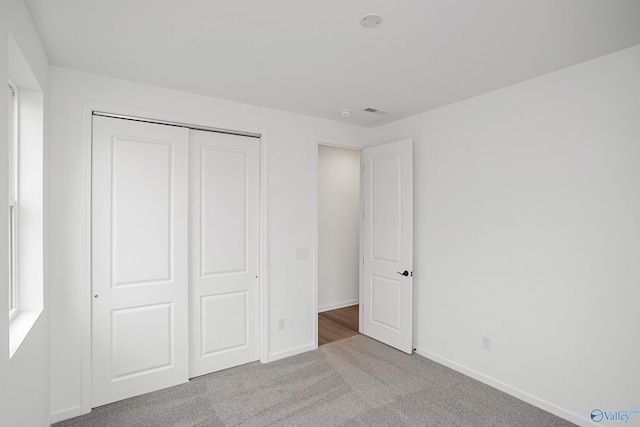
(280, 324)
(486, 343)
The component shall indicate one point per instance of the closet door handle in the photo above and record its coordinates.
(404, 273)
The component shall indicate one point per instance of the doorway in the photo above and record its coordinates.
(339, 210)
(385, 257)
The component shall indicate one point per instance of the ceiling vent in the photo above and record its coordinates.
(375, 111)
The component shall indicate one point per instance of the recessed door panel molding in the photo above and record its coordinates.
(388, 243)
(223, 195)
(224, 292)
(224, 322)
(141, 215)
(141, 340)
(386, 208)
(139, 258)
(386, 298)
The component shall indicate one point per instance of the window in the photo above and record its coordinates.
(25, 165)
(13, 200)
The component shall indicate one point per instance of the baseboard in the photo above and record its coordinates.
(515, 392)
(291, 352)
(65, 414)
(337, 305)
(49, 422)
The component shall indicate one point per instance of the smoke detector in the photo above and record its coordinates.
(371, 20)
(345, 113)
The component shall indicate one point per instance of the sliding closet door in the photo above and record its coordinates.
(224, 185)
(139, 258)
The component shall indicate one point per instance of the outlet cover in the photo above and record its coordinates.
(302, 253)
(486, 343)
(280, 324)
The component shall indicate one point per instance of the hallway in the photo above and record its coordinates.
(334, 325)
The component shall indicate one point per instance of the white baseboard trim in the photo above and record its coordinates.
(515, 392)
(49, 422)
(337, 305)
(291, 352)
(65, 414)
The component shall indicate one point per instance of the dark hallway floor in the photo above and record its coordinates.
(337, 324)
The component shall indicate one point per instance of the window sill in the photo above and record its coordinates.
(19, 328)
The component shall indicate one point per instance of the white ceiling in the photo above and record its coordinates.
(314, 58)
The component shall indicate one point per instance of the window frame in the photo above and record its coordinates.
(14, 293)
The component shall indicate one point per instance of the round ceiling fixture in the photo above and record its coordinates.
(345, 113)
(371, 20)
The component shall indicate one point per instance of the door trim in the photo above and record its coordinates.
(348, 146)
(87, 130)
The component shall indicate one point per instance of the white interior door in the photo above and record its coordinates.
(139, 258)
(224, 306)
(388, 244)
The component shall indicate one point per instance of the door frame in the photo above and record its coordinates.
(316, 243)
(86, 312)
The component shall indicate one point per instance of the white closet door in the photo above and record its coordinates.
(224, 175)
(388, 244)
(139, 253)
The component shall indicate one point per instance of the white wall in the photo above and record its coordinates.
(338, 226)
(292, 142)
(527, 230)
(24, 379)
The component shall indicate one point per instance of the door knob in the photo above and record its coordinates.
(404, 273)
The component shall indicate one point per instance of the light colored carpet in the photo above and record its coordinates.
(354, 382)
